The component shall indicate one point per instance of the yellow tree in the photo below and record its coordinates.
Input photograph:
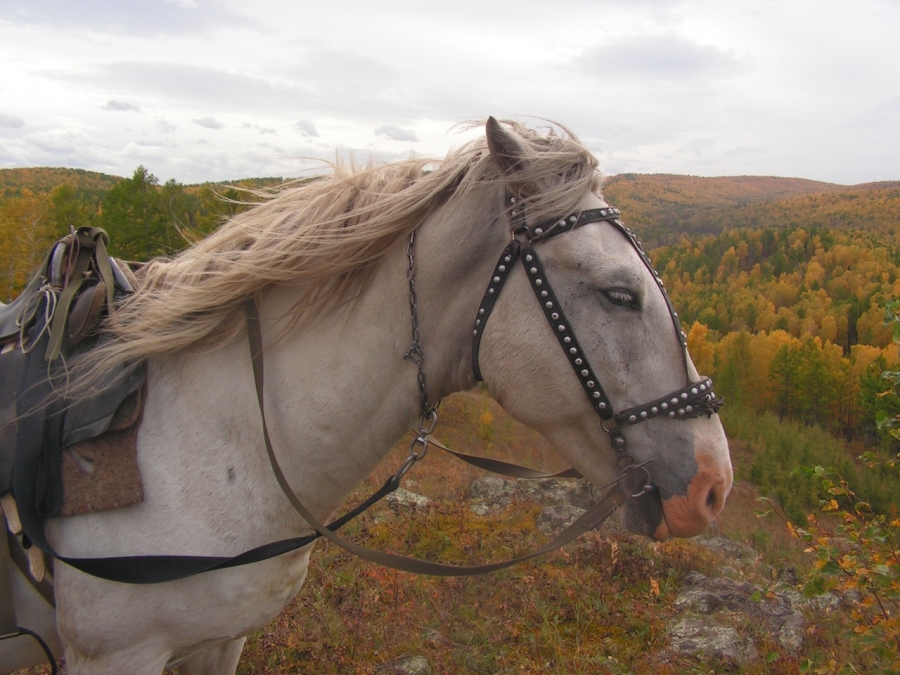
(26, 234)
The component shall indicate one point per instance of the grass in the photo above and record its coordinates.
(601, 605)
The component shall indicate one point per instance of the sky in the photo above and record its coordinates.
(198, 90)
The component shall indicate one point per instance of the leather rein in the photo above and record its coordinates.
(693, 400)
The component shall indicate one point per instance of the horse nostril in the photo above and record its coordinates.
(712, 499)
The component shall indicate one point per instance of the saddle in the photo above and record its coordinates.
(55, 319)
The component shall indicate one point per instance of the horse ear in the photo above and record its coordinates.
(507, 151)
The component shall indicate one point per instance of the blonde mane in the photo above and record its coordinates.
(328, 233)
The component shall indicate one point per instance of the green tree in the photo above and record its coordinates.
(138, 216)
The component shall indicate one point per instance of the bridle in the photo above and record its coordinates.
(692, 400)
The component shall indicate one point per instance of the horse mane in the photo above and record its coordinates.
(327, 233)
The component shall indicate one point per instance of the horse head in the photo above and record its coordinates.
(585, 346)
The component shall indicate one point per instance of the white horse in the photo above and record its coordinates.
(327, 262)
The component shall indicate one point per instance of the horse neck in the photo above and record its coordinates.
(340, 381)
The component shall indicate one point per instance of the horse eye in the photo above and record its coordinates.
(618, 296)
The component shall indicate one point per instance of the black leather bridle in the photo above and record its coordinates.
(692, 400)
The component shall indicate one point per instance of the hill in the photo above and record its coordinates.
(664, 206)
(46, 179)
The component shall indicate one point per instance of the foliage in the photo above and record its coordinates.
(859, 560)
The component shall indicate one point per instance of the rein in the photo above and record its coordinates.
(694, 399)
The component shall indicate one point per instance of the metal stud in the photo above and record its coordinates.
(654, 410)
(681, 411)
(533, 270)
(684, 396)
(600, 405)
(596, 394)
(567, 339)
(602, 212)
(529, 258)
(481, 311)
(578, 362)
(554, 316)
(664, 406)
(538, 282)
(544, 294)
(496, 280)
(572, 219)
(694, 391)
(548, 305)
(562, 222)
(539, 231)
(475, 332)
(589, 384)
(672, 413)
(620, 441)
(674, 401)
(490, 291)
(573, 351)
(477, 322)
(643, 414)
(632, 418)
(507, 259)
(585, 373)
(502, 268)
(689, 408)
(561, 328)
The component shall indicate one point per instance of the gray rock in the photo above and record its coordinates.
(554, 519)
(405, 665)
(774, 613)
(401, 497)
(700, 636)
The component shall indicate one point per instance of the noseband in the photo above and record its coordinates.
(692, 400)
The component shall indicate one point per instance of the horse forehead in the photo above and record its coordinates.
(602, 249)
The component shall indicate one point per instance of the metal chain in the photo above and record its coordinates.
(428, 418)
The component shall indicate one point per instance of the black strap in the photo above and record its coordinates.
(498, 279)
(564, 333)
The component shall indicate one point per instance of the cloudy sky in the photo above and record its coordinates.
(214, 90)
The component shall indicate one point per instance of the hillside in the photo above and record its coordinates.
(46, 179)
(663, 206)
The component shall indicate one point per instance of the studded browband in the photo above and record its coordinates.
(693, 400)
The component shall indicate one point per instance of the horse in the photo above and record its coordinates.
(328, 264)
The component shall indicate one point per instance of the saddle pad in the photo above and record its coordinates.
(102, 473)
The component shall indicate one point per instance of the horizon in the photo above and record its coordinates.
(606, 176)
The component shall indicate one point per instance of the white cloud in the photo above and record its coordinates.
(306, 128)
(396, 133)
(208, 123)
(11, 122)
(122, 106)
(666, 56)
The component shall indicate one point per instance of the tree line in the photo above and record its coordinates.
(144, 218)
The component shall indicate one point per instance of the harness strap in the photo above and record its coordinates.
(8, 622)
(593, 517)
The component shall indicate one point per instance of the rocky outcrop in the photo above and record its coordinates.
(723, 616)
